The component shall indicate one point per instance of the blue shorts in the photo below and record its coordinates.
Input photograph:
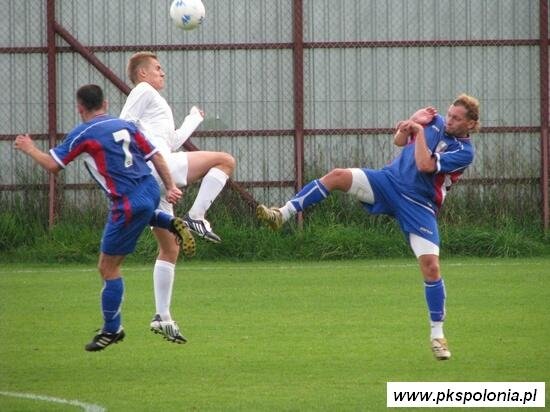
(128, 217)
(412, 215)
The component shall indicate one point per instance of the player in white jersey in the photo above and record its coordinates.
(150, 111)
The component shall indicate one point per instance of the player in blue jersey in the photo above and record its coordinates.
(116, 156)
(436, 151)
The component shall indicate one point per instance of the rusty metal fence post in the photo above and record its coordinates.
(544, 113)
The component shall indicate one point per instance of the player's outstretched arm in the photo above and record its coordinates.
(173, 194)
(190, 123)
(24, 143)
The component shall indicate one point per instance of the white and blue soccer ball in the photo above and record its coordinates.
(187, 14)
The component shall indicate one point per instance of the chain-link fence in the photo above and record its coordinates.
(290, 88)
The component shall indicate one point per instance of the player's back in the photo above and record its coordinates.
(114, 150)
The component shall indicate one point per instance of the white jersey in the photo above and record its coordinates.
(150, 111)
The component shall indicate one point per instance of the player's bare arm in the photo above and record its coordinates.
(24, 143)
(425, 162)
(173, 194)
(401, 136)
(424, 116)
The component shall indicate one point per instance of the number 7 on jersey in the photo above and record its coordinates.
(124, 137)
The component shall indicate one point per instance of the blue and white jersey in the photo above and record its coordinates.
(114, 150)
(453, 156)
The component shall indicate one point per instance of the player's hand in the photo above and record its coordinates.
(173, 195)
(195, 109)
(409, 127)
(405, 126)
(424, 116)
(24, 143)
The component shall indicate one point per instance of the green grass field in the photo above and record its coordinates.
(269, 336)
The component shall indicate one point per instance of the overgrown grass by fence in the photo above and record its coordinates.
(339, 228)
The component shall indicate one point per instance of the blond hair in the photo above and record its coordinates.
(471, 104)
(137, 61)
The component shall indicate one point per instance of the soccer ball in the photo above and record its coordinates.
(187, 14)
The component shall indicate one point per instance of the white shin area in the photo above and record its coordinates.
(163, 282)
(211, 186)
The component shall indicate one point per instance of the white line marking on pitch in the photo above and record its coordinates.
(87, 407)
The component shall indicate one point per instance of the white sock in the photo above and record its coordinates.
(287, 211)
(211, 186)
(163, 280)
(436, 330)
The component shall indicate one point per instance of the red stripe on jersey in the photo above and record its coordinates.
(455, 176)
(115, 215)
(439, 189)
(75, 151)
(95, 149)
(442, 185)
(143, 144)
(127, 210)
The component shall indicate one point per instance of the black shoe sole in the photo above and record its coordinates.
(185, 238)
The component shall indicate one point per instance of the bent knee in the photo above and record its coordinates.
(337, 173)
(339, 179)
(228, 163)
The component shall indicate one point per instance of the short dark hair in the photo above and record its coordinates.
(90, 96)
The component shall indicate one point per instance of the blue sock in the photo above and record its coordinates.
(312, 193)
(161, 219)
(111, 301)
(435, 297)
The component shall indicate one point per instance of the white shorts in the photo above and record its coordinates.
(178, 165)
(421, 246)
(361, 188)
